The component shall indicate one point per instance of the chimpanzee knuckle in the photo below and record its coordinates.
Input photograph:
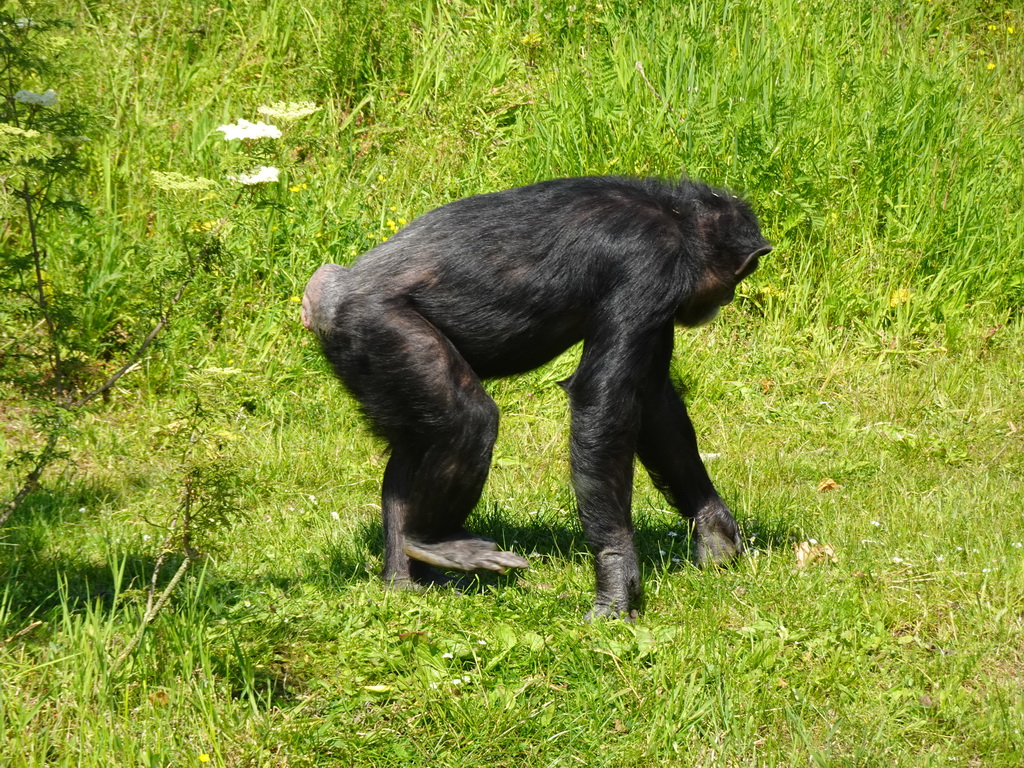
(718, 536)
(611, 608)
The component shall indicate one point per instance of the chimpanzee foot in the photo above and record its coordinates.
(612, 611)
(718, 536)
(464, 551)
(618, 582)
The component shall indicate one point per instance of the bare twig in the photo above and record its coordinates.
(44, 305)
(134, 359)
(153, 610)
(658, 96)
(32, 481)
(24, 631)
(155, 603)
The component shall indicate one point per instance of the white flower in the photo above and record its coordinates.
(243, 129)
(286, 111)
(263, 174)
(447, 655)
(1016, 545)
(876, 524)
(46, 99)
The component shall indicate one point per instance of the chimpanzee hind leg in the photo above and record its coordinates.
(667, 447)
(442, 426)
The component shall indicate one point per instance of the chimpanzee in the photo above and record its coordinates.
(500, 283)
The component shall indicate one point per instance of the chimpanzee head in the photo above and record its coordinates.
(733, 247)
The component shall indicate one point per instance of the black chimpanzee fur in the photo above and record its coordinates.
(501, 283)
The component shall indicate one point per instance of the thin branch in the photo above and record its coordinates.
(134, 359)
(32, 481)
(44, 306)
(192, 555)
(160, 560)
(153, 611)
(658, 96)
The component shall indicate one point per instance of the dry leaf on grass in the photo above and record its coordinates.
(828, 484)
(808, 554)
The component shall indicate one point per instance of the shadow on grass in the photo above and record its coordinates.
(44, 577)
(664, 544)
(33, 561)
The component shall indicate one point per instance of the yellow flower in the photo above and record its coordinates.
(899, 296)
(992, 27)
(204, 758)
(991, 65)
(1010, 30)
(296, 299)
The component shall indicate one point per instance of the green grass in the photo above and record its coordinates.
(880, 346)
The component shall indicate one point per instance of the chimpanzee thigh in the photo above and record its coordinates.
(424, 398)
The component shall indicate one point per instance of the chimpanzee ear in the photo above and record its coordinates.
(749, 264)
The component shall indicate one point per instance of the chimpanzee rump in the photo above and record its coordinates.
(501, 283)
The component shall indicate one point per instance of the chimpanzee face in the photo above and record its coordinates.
(718, 288)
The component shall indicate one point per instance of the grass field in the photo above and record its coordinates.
(864, 393)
